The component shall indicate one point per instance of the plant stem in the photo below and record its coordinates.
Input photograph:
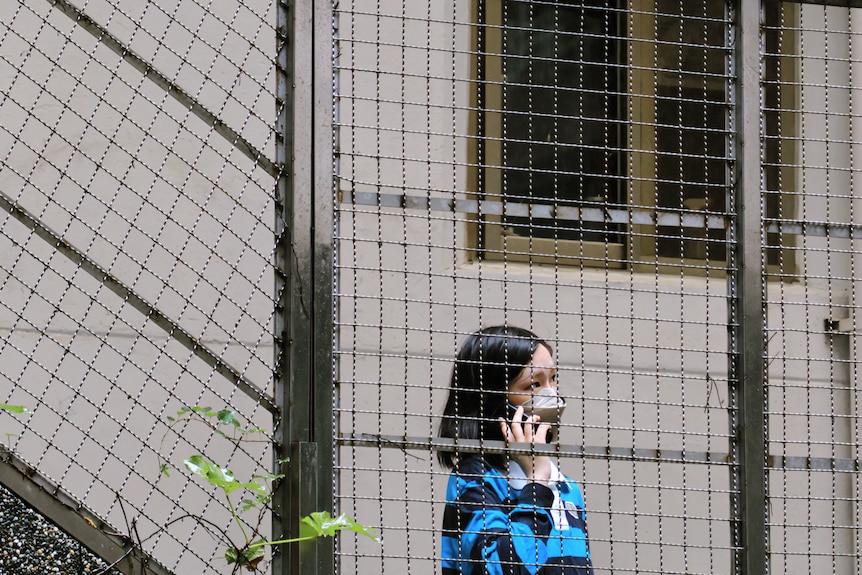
(282, 541)
(236, 517)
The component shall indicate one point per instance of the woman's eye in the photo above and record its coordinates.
(535, 384)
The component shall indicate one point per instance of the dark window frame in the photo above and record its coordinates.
(690, 234)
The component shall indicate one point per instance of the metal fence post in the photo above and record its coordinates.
(747, 312)
(304, 318)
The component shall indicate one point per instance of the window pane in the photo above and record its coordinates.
(561, 113)
(692, 140)
(616, 106)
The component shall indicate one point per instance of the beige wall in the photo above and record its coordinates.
(642, 356)
(126, 175)
(151, 194)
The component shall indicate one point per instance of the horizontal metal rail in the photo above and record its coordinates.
(773, 462)
(632, 216)
(565, 451)
(845, 3)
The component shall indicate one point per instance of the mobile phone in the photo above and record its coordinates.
(510, 411)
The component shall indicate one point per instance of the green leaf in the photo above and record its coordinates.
(226, 416)
(200, 465)
(255, 487)
(324, 524)
(13, 408)
(248, 557)
(269, 476)
(163, 468)
(218, 476)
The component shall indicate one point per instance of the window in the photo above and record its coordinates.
(553, 128)
(605, 132)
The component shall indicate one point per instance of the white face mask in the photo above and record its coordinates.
(547, 404)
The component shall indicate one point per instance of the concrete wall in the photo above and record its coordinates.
(126, 175)
(642, 356)
(100, 155)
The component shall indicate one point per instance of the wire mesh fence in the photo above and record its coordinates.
(575, 168)
(137, 269)
(813, 308)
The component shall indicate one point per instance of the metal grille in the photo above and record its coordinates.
(583, 169)
(136, 267)
(707, 357)
(813, 307)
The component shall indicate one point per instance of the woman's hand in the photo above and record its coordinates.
(537, 468)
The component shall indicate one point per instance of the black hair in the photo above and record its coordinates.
(487, 362)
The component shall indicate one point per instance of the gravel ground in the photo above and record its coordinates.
(30, 543)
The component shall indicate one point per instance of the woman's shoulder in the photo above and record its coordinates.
(570, 490)
(474, 478)
(476, 470)
(473, 466)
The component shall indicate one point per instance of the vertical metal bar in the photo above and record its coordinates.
(856, 283)
(324, 264)
(281, 507)
(747, 305)
(303, 322)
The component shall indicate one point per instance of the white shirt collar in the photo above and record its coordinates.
(518, 479)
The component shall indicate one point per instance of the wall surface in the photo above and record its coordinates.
(138, 265)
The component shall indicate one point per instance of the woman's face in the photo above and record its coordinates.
(540, 372)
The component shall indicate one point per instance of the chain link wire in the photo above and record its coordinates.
(136, 268)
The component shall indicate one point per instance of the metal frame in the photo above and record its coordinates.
(304, 264)
(747, 313)
(312, 252)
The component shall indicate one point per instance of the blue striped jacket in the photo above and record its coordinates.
(492, 528)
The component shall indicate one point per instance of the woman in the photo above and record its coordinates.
(508, 514)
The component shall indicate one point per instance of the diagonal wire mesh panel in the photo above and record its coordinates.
(136, 267)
